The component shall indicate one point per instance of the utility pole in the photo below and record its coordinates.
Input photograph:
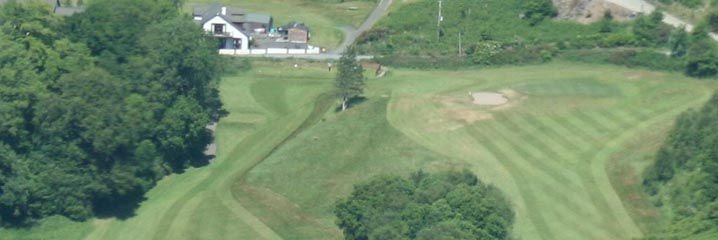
(438, 22)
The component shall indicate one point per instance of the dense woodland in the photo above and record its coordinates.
(439, 206)
(684, 178)
(499, 32)
(96, 107)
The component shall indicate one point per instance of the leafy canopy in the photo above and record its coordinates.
(447, 205)
(683, 179)
(97, 107)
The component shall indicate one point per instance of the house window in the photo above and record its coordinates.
(218, 28)
(237, 43)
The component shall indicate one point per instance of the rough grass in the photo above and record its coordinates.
(566, 150)
(324, 18)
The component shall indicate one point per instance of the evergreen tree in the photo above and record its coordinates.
(350, 78)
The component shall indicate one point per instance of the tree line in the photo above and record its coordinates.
(684, 177)
(97, 107)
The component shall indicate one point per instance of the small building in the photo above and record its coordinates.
(258, 22)
(295, 32)
(220, 21)
(245, 21)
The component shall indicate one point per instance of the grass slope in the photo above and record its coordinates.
(559, 150)
(566, 150)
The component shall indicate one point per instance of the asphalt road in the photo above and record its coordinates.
(351, 34)
(646, 7)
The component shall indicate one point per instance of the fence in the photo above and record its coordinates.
(273, 51)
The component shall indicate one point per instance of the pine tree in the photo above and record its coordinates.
(350, 79)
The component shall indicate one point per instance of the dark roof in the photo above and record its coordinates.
(209, 11)
(258, 18)
(233, 14)
(298, 25)
(229, 22)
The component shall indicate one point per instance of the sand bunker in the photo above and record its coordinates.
(489, 98)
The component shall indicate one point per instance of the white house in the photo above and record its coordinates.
(216, 22)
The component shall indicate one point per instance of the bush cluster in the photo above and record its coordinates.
(684, 177)
(448, 205)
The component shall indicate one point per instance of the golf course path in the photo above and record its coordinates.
(351, 34)
(646, 7)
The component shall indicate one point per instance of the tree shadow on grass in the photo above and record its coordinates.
(352, 102)
(120, 208)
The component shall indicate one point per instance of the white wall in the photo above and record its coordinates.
(277, 51)
(233, 32)
(297, 51)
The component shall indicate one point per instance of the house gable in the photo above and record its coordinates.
(221, 27)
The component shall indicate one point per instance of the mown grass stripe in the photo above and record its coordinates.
(569, 123)
(581, 225)
(527, 193)
(552, 140)
(601, 130)
(619, 121)
(521, 133)
(553, 192)
(608, 218)
(551, 166)
(525, 164)
(577, 139)
(543, 164)
(531, 137)
(610, 125)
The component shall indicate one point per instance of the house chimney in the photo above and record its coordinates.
(224, 11)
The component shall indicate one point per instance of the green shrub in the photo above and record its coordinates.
(449, 205)
(642, 58)
(538, 10)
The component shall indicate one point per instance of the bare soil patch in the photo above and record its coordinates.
(589, 11)
(489, 98)
(456, 109)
